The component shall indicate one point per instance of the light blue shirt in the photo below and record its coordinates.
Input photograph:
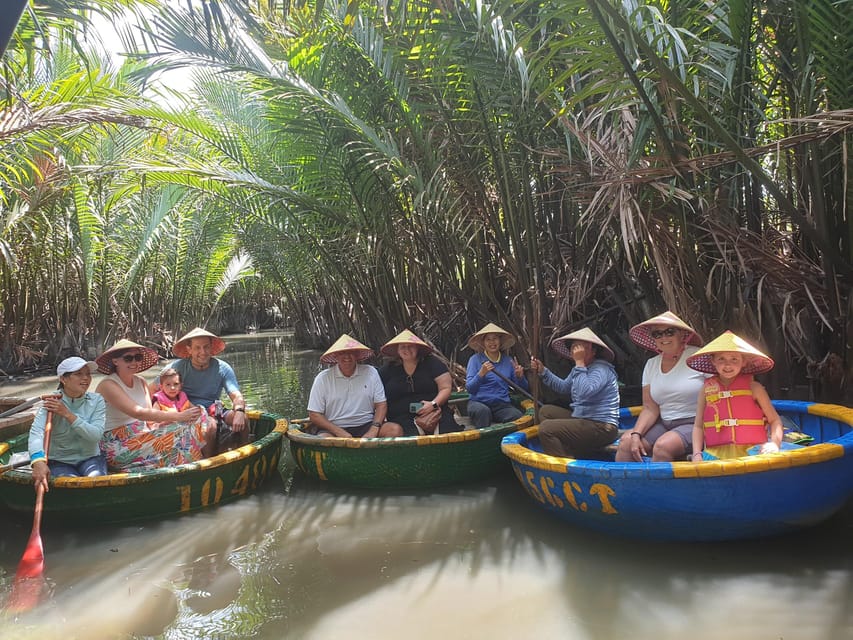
(594, 391)
(71, 442)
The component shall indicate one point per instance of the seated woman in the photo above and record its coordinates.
(415, 376)
(131, 442)
(665, 425)
(487, 375)
(592, 422)
(77, 427)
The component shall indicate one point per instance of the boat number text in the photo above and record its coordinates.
(253, 473)
(542, 488)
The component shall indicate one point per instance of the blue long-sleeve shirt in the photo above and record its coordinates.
(490, 388)
(71, 442)
(594, 391)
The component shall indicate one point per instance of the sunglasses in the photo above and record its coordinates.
(663, 332)
(130, 357)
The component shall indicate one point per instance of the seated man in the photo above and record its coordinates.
(204, 378)
(347, 400)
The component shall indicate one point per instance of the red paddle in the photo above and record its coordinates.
(27, 586)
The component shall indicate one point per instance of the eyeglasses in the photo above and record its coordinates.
(130, 357)
(663, 332)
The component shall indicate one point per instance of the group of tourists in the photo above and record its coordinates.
(127, 424)
(698, 402)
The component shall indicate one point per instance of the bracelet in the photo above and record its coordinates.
(240, 409)
(636, 433)
(375, 424)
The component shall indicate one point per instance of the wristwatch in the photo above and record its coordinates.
(240, 409)
(434, 404)
(375, 424)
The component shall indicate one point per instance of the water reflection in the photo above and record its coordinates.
(304, 560)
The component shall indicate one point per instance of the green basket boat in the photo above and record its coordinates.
(414, 462)
(152, 494)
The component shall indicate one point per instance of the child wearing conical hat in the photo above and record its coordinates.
(733, 412)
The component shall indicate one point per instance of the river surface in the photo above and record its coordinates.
(304, 560)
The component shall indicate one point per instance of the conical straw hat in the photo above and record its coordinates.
(346, 343)
(641, 333)
(475, 342)
(562, 345)
(182, 347)
(105, 360)
(404, 337)
(754, 360)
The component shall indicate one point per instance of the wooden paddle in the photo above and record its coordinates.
(27, 586)
(537, 319)
(24, 405)
(518, 388)
(14, 465)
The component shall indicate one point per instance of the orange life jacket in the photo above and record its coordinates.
(732, 416)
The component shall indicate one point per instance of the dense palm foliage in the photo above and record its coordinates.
(441, 164)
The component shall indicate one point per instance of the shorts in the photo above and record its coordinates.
(681, 426)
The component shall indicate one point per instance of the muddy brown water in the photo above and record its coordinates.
(304, 560)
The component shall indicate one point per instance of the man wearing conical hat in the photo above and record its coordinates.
(347, 400)
(734, 411)
(592, 384)
(204, 378)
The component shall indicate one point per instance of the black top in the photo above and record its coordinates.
(401, 390)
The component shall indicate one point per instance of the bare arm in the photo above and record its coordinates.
(320, 421)
(445, 387)
(698, 429)
(647, 418)
(113, 395)
(759, 393)
(380, 411)
(237, 419)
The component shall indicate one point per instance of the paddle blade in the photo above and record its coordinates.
(32, 562)
(28, 584)
(26, 594)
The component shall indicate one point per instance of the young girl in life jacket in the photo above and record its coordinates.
(170, 397)
(734, 411)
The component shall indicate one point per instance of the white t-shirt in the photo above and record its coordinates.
(138, 393)
(347, 401)
(677, 391)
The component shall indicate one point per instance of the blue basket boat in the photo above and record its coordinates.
(749, 497)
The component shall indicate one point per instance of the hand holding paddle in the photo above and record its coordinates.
(27, 586)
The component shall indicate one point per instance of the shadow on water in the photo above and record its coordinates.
(301, 559)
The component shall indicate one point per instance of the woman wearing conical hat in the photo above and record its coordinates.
(592, 384)
(734, 411)
(347, 400)
(488, 399)
(137, 436)
(664, 428)
(414, 378)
